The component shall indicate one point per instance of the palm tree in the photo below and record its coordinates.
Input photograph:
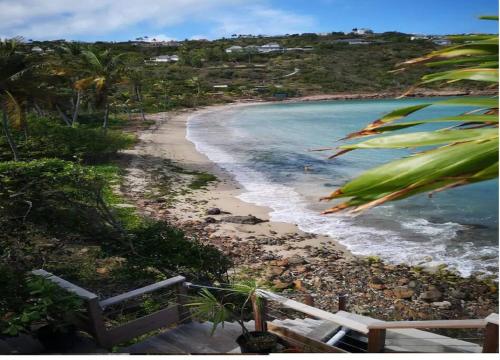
(14, 70)
(103, 70)
(463, 154)
(136, 78)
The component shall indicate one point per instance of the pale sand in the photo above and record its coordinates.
(167, 140)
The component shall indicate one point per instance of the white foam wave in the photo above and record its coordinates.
(289, 206)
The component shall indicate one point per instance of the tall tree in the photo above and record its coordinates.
(14, 89)
(103, 71)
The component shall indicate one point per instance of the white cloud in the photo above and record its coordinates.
(66, 19)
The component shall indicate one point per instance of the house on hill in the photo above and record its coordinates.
(362, 31)
(234, 49)
(165, 58)
(271, 47)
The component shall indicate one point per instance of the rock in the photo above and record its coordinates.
(403, 292)
(443, 305)
(210, 220)
(296, 260)
(276, 270)
(213, 211)
(404, 281)
(431, 295)
(457, 294)
(301, 269)
(376, 284)
(267, 257)
(282, 262)
(280, 285)
(249, 219)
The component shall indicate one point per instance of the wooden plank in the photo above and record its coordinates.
(184, 313)
(96, 323)
(304, 343)
(430, 324)
(259, 313)
(492, 318)
(132, 329)
(144, 290)
(376, 340)
(317, 313)
(66, 285)
(491, 338)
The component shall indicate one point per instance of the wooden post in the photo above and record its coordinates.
(96, 323)
(491, 334)
(308, 299)
(184, 314)
(259, 313)
(342, 302)
(376, 340)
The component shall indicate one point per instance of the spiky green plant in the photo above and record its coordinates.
(465, 153)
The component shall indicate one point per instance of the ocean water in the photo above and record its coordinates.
(266, 148)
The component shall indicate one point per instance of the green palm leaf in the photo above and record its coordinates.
(466, 154)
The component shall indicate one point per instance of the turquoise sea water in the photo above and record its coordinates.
(266, 148)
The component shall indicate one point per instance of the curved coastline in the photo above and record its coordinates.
(256, 190)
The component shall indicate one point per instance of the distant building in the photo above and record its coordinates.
(37, 49)
(419, 37)
(362, 31)
(441, 42)
(271, 47)
(234, 49)
(353, 41)
(165, 58)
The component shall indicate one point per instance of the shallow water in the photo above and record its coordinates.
(266, 148)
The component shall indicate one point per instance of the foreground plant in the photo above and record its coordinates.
(462, 153)
(233, 304)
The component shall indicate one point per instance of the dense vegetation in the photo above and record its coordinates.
(59, 180)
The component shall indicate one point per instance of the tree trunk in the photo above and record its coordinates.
(106, 116)
(8, 135)
(63, 116)
(74, 121)
(139, 100)
(129, 114)
(39, 111)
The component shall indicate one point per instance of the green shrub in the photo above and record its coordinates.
(59, 195)
(44, 303)
(48, 139)
(167, 249)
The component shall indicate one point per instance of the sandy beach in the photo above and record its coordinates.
(167, 141)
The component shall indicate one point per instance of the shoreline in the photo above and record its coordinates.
(278, 255)
(171, 142)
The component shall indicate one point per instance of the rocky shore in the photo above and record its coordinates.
(298, 264)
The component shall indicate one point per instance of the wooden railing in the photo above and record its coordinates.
(375, 330)
(107, 338)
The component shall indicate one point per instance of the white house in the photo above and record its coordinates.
(419, 37)
(37, 49)
(362, 31)
(271, 47)
(234, 49)
(165, 58)
(441, 41)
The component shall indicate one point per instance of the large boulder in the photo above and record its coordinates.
(248, 219)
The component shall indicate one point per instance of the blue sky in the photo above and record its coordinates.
(190, 19)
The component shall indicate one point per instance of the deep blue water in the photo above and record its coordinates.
(266, 148)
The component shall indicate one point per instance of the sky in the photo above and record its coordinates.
(121, 20)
